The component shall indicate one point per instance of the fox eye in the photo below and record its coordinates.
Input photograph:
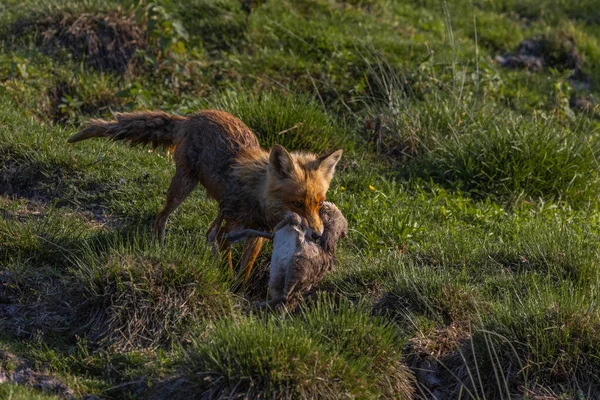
(298, 204)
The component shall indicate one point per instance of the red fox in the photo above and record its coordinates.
(254, 188)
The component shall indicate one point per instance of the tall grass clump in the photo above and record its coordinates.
(548, 338)
(442, 126)
(365, 341)
(332, 349)
(136, 294)
(297, 122)
(537, 158)
(262, 357)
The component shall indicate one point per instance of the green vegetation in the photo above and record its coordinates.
(15, 392)
(471, 190)
(332, 342)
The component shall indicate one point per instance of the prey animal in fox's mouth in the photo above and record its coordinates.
(300, 257)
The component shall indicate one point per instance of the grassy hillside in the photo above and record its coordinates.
(471, 137)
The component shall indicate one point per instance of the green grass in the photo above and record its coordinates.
(473, 211)
(293, 121)
(15, 392)
(333, 348)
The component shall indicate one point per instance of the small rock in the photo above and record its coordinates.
(27, 377)
(521, 61)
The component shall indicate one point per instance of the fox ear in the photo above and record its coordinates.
(281, 161)
(328, 162)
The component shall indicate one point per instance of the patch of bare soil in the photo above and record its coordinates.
(106, 42)
(64, 103)
(175, 388)
(540, 393)
(24, 375)
(434, 358)
(41, 184)
(445, 367)
(26, 179)
(29, 307)
(24, 212)
(585, 104)
(539, 54)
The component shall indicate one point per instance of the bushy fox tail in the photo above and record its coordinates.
(154, 127)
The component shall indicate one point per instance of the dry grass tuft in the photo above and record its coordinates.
(106, 42)
(144, 302)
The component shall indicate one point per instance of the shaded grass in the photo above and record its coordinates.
(550, 10)
(548, 338)
(138, 295)
(45, 239)
(15, 392)
(72, 99)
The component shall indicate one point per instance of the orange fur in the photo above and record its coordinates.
(254, 187)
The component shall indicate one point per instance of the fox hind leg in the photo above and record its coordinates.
(212, 234)
(181, 186)
(217, 238)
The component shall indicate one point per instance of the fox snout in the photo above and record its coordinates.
(315, 224)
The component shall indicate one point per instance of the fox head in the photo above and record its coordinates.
(299, 182)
